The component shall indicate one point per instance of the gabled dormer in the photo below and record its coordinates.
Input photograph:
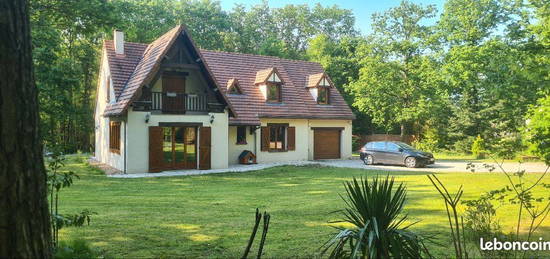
(233, 86)
(270, 83)
(319, 86)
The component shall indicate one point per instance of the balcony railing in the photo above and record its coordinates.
(174, 102)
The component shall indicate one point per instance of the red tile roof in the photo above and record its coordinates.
(297, 101)
(133, 70)
(122, 66)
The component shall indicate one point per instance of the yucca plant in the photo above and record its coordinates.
(379, 231)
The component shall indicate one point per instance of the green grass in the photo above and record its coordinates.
(212, 215)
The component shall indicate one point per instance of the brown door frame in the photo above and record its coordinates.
(174, 165)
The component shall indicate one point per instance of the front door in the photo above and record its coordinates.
(172, 148)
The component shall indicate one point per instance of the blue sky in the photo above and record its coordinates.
(362, 9)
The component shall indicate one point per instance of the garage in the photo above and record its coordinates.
(326, 143)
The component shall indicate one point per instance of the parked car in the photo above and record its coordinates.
(396, 153)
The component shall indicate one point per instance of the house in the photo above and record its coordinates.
(169, 105)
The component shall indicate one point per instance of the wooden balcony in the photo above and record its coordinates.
(175, 103)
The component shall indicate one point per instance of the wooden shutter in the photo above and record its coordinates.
(204, 148)
(265, 139)
(114, 137)
(155, 149)
(291, 138)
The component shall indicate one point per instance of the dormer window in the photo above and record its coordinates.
(270, 83)
(233, 87)
(273, 92)
(322, 95)
(319, 86)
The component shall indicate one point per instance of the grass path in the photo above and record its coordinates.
(212, 215)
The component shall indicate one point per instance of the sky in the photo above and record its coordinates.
(362, 9)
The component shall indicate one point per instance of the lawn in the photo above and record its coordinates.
(212, 215)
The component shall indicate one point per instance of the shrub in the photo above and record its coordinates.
(77, 248)
(478, 147)
(464, 145)
(374, 209)
(429, 142)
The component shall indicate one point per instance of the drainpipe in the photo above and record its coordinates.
(255, 143)
(125, 144)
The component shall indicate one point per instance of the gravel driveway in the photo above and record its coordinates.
(442, 166)
(438, 167)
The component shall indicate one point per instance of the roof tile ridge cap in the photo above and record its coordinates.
(134, 71)
(259, 55)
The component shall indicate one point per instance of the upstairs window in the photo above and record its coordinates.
(270, 83)
(241, 135)
(233, 87)
(319, 86)
(322, 95)
(114, 137)
(274, 93)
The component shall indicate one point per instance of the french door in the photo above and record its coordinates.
(172, 148)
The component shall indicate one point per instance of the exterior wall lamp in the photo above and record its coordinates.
(212, 118)
(147, 117)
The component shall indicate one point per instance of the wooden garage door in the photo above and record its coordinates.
(326, 143)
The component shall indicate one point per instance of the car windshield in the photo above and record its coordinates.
(403, 145)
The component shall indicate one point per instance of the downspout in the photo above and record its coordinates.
(125, 144)
(255, 143)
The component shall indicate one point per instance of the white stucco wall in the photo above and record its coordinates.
(304, 141)
(234, 149)
(138, 137)
(301, 144)
(102, 152)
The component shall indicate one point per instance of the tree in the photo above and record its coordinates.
(24, 219)
(390, 87)
(487, 71)
(538, 129)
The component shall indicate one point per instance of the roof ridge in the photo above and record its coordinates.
(130, 42)
(258, 55)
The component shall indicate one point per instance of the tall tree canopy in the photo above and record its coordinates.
(474, 71)
(390, 87)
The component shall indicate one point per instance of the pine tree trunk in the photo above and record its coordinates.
(402, 132)
(24, 218)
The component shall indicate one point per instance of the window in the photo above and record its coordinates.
(392, 147)
(114, 137)
(233, 86)
(273, 92)
(277, 138)
(241, 135)
(234, 90)
(379, 145)
(322, 95)
(369, 145)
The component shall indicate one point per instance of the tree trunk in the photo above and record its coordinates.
(402, 132)
(24, 218)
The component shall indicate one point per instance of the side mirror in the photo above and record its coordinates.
(400, 150)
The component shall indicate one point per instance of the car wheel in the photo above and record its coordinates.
(368, 160)
(410, 162)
